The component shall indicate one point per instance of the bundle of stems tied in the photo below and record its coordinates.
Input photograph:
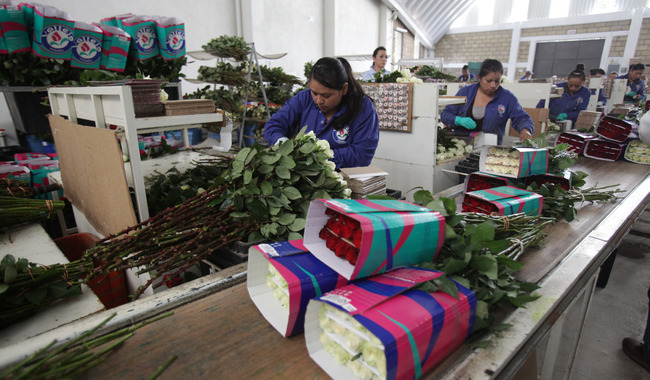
(11, 187)
(263, 195)
(15, 210)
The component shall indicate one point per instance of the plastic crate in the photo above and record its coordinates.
(110, 289)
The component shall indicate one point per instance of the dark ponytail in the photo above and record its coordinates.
(579, 72)
(334, 73)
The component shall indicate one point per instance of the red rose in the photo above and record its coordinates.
(352, 256)
(357, 238)
(331, 242)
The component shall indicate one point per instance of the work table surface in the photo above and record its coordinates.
(224, 336)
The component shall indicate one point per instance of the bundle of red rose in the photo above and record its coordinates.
(342, 235)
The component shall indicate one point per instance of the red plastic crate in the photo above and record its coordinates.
(615, 129)
(111, 289)
(575, 140)
(603, 149)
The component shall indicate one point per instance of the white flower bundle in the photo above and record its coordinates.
(502, 160)
(279, 285)
(639, 152)
(459, 150)
(351, 344)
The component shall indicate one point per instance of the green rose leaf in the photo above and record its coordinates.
(286, 147)
(250, 156)
(274, 210)
(10, 274)
(237, 167)
(265, 169)
(242, 155)
(257, 209)
(294, 236)
(439, 206)
(454, 266)
(36, 296)
(287, 162)
(297, 225)
(321, 194)
(254, 236)
(308, 148)
(510, 263)
(486, 264)
(271, 159)
(292, 193)
(3, 288)
(238, 214)
(496, 246)
(447, 286)
(422, 197)
(286, 219)
(282, 172)
(481, 232)
(248, 176)
(481, 309)
(266, 188)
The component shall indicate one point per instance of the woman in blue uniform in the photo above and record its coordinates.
(379, 59)
(574, 99)
(466, 76)
(336, 109)
(489, 106)
(635, 86)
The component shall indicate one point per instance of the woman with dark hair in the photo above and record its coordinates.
(635, 86)
(489, 106)
(379, 59)
(574, 99)
(336, 109)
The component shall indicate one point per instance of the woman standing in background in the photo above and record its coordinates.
(379, 59)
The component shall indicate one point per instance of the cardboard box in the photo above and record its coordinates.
(615, 129)
(394, 233)
(638, 152)
(564, 180)
(31, 158)
(602, 149)
(587, 119)
(539, 116)
(575, 140)
(481, 181)
(504, 200)
(513, 162)
(368, 317)
(305, 276)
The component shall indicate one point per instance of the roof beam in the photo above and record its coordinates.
(410, 23)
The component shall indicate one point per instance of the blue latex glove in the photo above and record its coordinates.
(631, 94)
(561, 117)
(465, 122)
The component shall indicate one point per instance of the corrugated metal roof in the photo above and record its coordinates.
(429, 19)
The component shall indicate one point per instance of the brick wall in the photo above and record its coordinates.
(474, 47)
(643, 46)
(596, 27)
(618, 46)
(409, 41)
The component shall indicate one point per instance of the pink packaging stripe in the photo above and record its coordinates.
(10, 26)
(371, 204)
(531, 158)
(294, 288)
(117, 50)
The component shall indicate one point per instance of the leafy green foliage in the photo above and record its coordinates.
(429, 71)
(387, 78)
(229, 46)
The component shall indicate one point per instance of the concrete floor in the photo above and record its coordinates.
(617, 311)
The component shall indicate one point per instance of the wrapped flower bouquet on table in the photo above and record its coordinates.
(504, 200)
(362, 238)
(603, 149)
(638, 152)
(514, 162)
(282, 278)
(362, 331)
(615, 129)
(575, 140)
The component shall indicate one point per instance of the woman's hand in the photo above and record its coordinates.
(524, 135)
(465, 122)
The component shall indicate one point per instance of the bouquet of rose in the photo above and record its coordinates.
(638, 152)
(615, 129)
(604, 149)
(576, 141)
(342, 235)
(481, 181)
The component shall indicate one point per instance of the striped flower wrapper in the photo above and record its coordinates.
(504, 200)
(384, 327)
(282, 278)
(513, 162)
(575, 140)
(115, 48)
(53, 35)
(393, 234)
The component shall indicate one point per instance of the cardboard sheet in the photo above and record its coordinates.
(93, 176)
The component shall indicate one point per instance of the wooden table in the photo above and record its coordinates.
(224, 336)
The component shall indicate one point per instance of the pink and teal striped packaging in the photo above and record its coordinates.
(171, 37)
(306, 277)
(506, 200)
(115, 48)
(87, 46)
(522, 162)
(53, 34)
(394, 234)
(417, 329)
(15, 29)
(144, 40)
